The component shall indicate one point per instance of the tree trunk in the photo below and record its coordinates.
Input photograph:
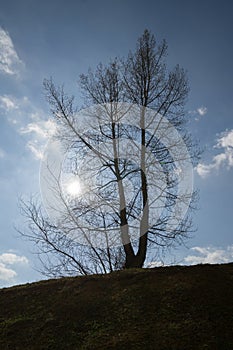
(135, 261)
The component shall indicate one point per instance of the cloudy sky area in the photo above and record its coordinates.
(63, 39)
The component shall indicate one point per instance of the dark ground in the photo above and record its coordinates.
(172, 308)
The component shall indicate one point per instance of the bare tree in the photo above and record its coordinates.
(131, 159)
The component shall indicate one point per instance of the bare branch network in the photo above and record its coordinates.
(116, 178)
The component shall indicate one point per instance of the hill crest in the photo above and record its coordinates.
(165, 308)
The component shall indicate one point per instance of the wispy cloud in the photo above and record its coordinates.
(39, 131)
(224, 159)
(210, 255)
(16, 109)
(199, 112)
(202, 111)
(8, 103)
(29, 121)
(36, 149)
(7, 263)
(10, 62)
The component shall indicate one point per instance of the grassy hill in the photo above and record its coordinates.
(172, 308)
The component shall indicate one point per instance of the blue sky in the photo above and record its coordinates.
(39, 39)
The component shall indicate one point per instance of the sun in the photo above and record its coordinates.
(74, 188)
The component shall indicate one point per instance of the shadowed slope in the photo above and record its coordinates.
(172, 308)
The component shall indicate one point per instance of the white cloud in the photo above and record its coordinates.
(199, 112)
(8, 103)
(203, 170)
(22, 108)
(9, 59)
(210, 255)
(6, 274)
(202, 111)
(226, 139)
(6, 259)
(42, 129)
(20, 111)
(11, 259)
(36, 149)
(40, 132)
(15, 109)
(222, 159)
(153, 264)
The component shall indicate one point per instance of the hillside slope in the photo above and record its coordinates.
(169, 308)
